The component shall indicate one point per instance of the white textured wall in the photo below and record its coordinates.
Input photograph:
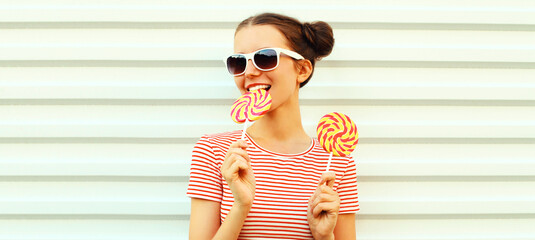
(102, 101)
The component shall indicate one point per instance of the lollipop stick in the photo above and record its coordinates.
(328, 165)
(329, 162)
(244, 128)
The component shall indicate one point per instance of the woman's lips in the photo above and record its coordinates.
(260, 86)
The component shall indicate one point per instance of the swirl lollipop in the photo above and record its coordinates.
(250, 107)
(337, 134)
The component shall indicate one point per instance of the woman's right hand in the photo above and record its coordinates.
(238, 174)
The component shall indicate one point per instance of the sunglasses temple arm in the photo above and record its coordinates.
(244, 128)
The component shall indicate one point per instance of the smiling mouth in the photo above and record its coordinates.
(265, 87)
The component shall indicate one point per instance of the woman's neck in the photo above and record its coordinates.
(282, 125)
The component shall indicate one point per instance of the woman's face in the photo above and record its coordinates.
(283, 80)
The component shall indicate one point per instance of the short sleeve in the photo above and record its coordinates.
(205, 173)
(347, 190)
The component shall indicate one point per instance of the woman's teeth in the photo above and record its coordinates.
(266, 87)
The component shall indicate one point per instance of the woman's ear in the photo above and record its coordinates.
(304, 70)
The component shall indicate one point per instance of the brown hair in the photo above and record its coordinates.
(312, 40)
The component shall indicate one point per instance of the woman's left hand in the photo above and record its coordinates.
(323, 208)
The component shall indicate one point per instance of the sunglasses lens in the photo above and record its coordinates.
(266, 59)
(236, 64)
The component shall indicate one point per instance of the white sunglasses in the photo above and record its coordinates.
(265, 59)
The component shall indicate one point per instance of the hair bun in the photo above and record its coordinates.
(319, 36)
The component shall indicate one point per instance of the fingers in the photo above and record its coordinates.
(231, 168)
(327, 207)
(239, 164)
(235, 160)
(237, 148)
(324, 199)
(239, 144)
(238, 152)
(329, 178)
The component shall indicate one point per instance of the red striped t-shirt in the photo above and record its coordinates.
(284, 183)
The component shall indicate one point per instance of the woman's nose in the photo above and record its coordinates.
(251, 70)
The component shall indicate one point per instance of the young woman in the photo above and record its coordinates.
(273, 184)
